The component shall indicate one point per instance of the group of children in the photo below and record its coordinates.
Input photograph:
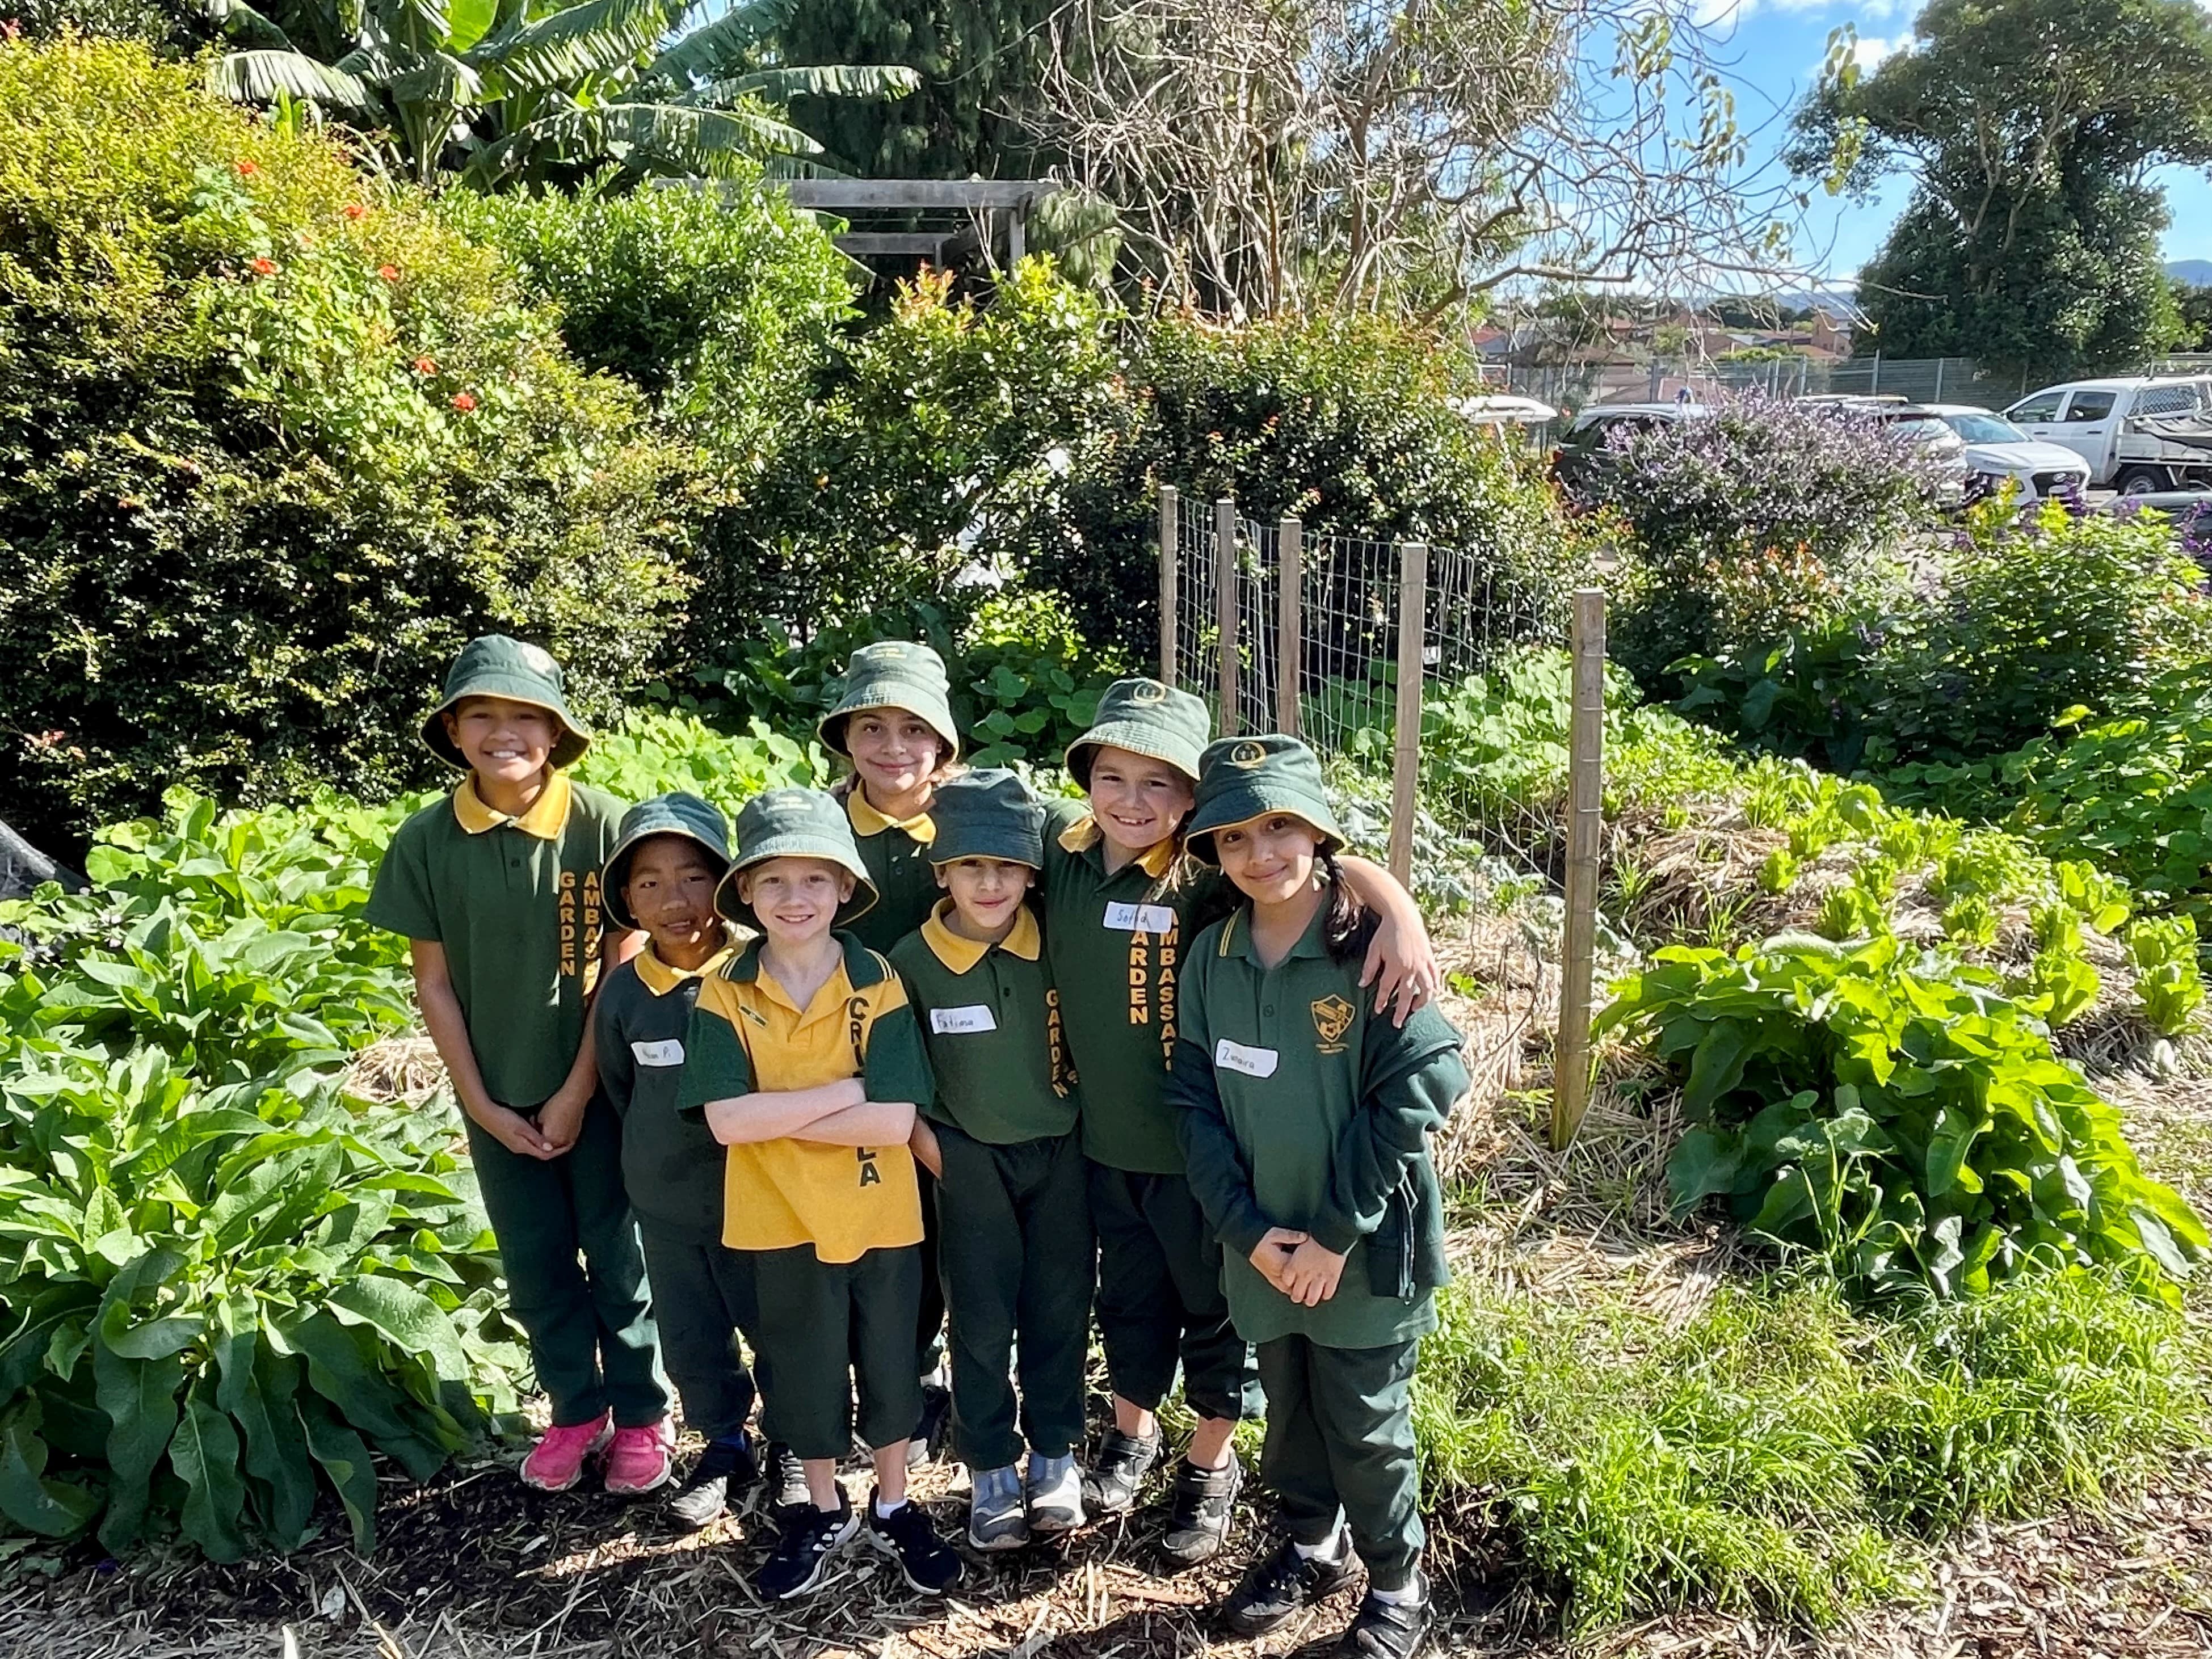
(925, 1055)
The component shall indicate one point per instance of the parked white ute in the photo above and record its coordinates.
(2138, 434)
(1996, 450)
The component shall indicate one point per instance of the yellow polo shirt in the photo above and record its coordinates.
(748, 1036)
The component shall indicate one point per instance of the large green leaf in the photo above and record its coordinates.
(341, 1373)
(575, 42)
(140, 1398)
(51, 1509)
(345, 1459)
(405, 1316)
(257, 76)
(204, 1454)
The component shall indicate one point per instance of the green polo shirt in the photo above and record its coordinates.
(1112, 943)
(1305, 1109)
(515, 902)
(897, 854)
(671, 1162)
(991, 1020)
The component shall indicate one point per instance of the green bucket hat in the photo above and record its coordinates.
(1146, 718)
(494, 665)
(795, 824)
(986, 814)
(894, 674)
(1243, 778)
(664, 815)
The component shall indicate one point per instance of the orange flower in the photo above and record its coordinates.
(355, 212)
(390, 273)
(425, 366)
(463, 402)
(263, 266)
(247, 169)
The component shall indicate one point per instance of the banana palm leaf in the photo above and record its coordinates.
(256, 77)
(712, 49)
(652, 137)
(779, 85)
(242, 23)
(597, 38)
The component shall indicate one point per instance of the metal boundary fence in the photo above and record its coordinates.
(1282, 630)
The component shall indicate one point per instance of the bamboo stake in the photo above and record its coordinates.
(1225, 578)
(1170, 524)
(1586, 801)
(1406, 763)
(1290, 577)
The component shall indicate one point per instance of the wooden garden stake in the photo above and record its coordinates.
(1290, 576)
(1586, 801)
(1170, 524)
(1406, 763)
(1225, 578)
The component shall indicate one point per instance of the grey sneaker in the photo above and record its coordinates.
(1054, 1493)
(1204, 1503)
(1110, 1483)
(995, 1520)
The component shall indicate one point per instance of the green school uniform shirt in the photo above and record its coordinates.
(990, 1019)
(1300, 1107)
(897, 854)
(672, 1164)
(515, 902)
(1113, 944)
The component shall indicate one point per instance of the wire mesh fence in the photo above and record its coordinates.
(1360, 647)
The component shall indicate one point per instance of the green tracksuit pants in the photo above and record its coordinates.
(1341, 1445)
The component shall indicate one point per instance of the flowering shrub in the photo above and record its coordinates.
(1762, 521)
(273, 441)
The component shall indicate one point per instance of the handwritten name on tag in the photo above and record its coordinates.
(953, 1021)
(1236, 1057)
(1141, 918)
(668, 1052)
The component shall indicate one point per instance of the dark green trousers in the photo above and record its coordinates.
(1160, 1300)
(575, 1278)
(1016, 1252)
(703, 1298)
(825, 1328)
(1340, 1442)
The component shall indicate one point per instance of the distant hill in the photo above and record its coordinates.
(2197, 273)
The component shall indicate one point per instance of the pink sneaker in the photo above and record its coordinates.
(556, 1462)
(639, 1459)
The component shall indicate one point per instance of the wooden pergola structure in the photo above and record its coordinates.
(981, 211)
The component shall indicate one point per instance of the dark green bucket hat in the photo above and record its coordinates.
(894, 674)
(795, 824)
(1145, 717)
(1245, 778)
(494, 665)
(678, 814)
(986, 814)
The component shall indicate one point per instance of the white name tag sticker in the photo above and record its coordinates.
(668, 1052)
(1236, 1057)
(954, 1021)
(1141, 918)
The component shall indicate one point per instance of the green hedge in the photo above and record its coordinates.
(273, 443)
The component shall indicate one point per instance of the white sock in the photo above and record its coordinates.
(1410, 1596)
(1331, 1551)
(885, 1511)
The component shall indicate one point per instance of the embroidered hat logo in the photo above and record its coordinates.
(1248, 755)
(1332, 1019)
(1145, 691)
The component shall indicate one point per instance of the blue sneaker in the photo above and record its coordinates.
(995, 1520)
(1054, 1493)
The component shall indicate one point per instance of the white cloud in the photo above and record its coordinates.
(1870, 49)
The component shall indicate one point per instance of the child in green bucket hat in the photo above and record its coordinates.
(496, 890)
(804, 1061)
(1121, 898)
(660, 878)
(1304, 1118)
(892, 721)
(1016, 1227)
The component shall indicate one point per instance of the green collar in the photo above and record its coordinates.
(1236, 937)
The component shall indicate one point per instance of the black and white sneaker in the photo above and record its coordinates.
(1387, 1630)
(927, 1562)
(1110, 1485)
(725, 1467)
(1205, 1503)
(786, 1492)
(1283, 1582)
(803, 1552)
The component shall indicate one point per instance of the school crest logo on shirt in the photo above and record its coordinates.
(1333, 1018)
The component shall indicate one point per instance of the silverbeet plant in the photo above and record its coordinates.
(225, 1281)
(1898, 1114)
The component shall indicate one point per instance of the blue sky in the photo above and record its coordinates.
(1777, 46)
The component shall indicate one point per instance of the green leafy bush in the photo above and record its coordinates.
(225, 1280)
(1345, 422)
(2168, 978)
(273, 443)
(656, 753)
(1902, 1118)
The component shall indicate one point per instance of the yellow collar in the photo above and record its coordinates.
(866, 821)
(1084, 834)
(660, 979)
(960, 953)
(547, 814)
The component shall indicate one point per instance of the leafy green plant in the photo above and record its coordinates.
(226, 1280)
(2168, 978)
(658, 752)
(1900, 1116)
